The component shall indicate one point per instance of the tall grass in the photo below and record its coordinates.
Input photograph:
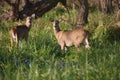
(43, 59)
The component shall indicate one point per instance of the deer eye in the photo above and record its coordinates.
(57, 22)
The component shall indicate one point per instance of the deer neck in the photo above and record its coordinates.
(28, 24)
(56, 31)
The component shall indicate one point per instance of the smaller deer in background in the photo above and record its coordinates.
(20, 32)
(71, 37)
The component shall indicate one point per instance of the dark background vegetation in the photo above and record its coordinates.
(21, 8)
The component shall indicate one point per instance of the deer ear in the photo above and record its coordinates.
(60, 19)
(51, 19)
(33, 15)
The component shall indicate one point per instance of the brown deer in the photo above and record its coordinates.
(20, 32)
(70, 37)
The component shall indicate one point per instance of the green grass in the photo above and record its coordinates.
(43, 59)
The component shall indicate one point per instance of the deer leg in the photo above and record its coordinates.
(26, 40)
(87, 43)
(17, 41)
(11, 40)
(20, 43)
(78, 46)
(63, 46)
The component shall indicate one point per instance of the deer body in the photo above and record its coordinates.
(70, 37)
(20, 32)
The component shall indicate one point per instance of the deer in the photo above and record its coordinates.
(67, 38)
(20, 32)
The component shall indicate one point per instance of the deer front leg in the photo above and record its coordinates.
(63, 48)
(17, 41)
(78, 46)
(11, 40)
(26, 40)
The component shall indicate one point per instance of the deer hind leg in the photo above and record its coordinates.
(12, 37)
(87, 43)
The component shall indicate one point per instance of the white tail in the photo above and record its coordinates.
(71, 37)
(20, 32)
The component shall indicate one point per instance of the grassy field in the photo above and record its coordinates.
(42, 59)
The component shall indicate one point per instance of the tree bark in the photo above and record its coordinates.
(38, 7)
(106, 6)
(118, 13)
(82, 17)
(14, 4)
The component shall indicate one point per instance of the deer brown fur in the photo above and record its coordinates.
(20, 32)
(70, 37)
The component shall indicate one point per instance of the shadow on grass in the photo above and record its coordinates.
(59, 53)
(113, 34)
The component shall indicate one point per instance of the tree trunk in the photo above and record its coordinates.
(106, 6)
(82, 17)
(38, 7)
(14, 4)
(15, 10)
(118, 13)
